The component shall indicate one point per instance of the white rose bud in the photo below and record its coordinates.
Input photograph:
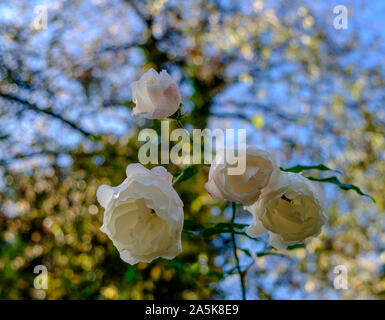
(261, 169)
(156, 96)
(291, 211)
(144, 215)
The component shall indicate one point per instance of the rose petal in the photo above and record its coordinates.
(104, 195)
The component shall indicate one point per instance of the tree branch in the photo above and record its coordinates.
(5, 162)
(34, 107)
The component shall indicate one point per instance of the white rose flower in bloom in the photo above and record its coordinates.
(291, 211)
(156, 96)
(144, 215)
(261, 169)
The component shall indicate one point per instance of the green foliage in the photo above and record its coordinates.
(292, 247)
(210, 229)
(296, 246)
(343, 186)
(130, 274)
(269, 253)
(299, 168)
(333, 179)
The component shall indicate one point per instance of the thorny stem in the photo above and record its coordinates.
(241, 274)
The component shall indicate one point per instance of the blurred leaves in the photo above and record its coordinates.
(59, 228)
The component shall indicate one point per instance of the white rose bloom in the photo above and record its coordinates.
(156, 96)
(261, 169)
(144, 215)
(291, 211)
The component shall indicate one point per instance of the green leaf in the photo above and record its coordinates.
(296, 246)
(230, 225)
(5, 136)
(217, 274)
(341, 185)
(185, 173)
(192, 227)
(208, 230)
(223, 227)
(130, 273)
(299, 168)
(292, 247)
(246, 251)
(269, 253)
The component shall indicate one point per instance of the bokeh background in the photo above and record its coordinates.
(280, 69)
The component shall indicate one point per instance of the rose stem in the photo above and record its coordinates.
(241, 275)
